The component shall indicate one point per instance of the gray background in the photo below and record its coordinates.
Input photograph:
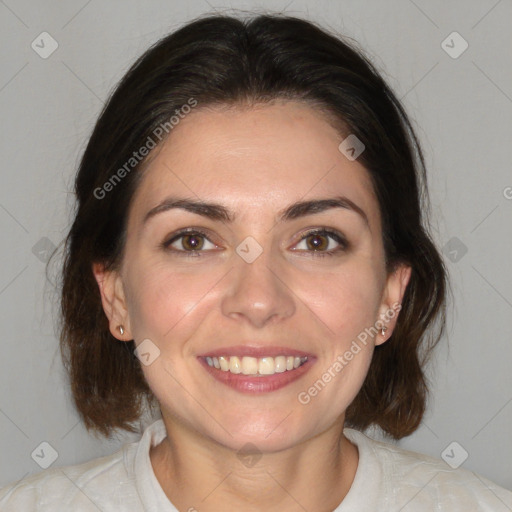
(462, 109)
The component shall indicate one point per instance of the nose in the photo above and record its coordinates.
(257, 293)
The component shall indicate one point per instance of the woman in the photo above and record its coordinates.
(249, 254)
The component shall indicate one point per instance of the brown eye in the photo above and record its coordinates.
(317, 242)
(322, 242)
(192, 242)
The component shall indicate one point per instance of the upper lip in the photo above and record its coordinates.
(256, 351)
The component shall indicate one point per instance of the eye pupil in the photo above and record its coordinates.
(316, 242)
(192, 242)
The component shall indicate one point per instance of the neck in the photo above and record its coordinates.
(195, 472)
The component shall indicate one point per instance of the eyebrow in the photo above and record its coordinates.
(215, 211)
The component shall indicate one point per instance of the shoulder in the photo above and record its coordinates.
(413, 481)
(87, 486)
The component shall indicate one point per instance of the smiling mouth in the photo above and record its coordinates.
(256, 366)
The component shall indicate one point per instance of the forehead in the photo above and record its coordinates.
(254, 160)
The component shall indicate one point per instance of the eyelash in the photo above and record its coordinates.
(335, 235)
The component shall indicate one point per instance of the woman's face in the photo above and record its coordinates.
(261, 283)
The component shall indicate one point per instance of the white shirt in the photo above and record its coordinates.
(387, 479)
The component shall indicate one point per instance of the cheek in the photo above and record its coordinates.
(164, 301)
(348, 304)
(347, 301)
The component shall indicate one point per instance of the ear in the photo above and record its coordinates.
(392, 297)
(113, 301)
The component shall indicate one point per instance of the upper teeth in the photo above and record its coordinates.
(254, 365)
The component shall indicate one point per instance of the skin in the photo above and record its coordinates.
(255, 161)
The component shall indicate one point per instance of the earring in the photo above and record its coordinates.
(121, 329)
(383, 329)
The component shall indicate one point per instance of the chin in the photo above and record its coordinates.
(268, 433)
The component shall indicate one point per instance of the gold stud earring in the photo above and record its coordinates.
(120, 329)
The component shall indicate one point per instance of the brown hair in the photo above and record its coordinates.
(222, 60)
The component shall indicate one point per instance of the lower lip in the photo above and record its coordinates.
(250, 384)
